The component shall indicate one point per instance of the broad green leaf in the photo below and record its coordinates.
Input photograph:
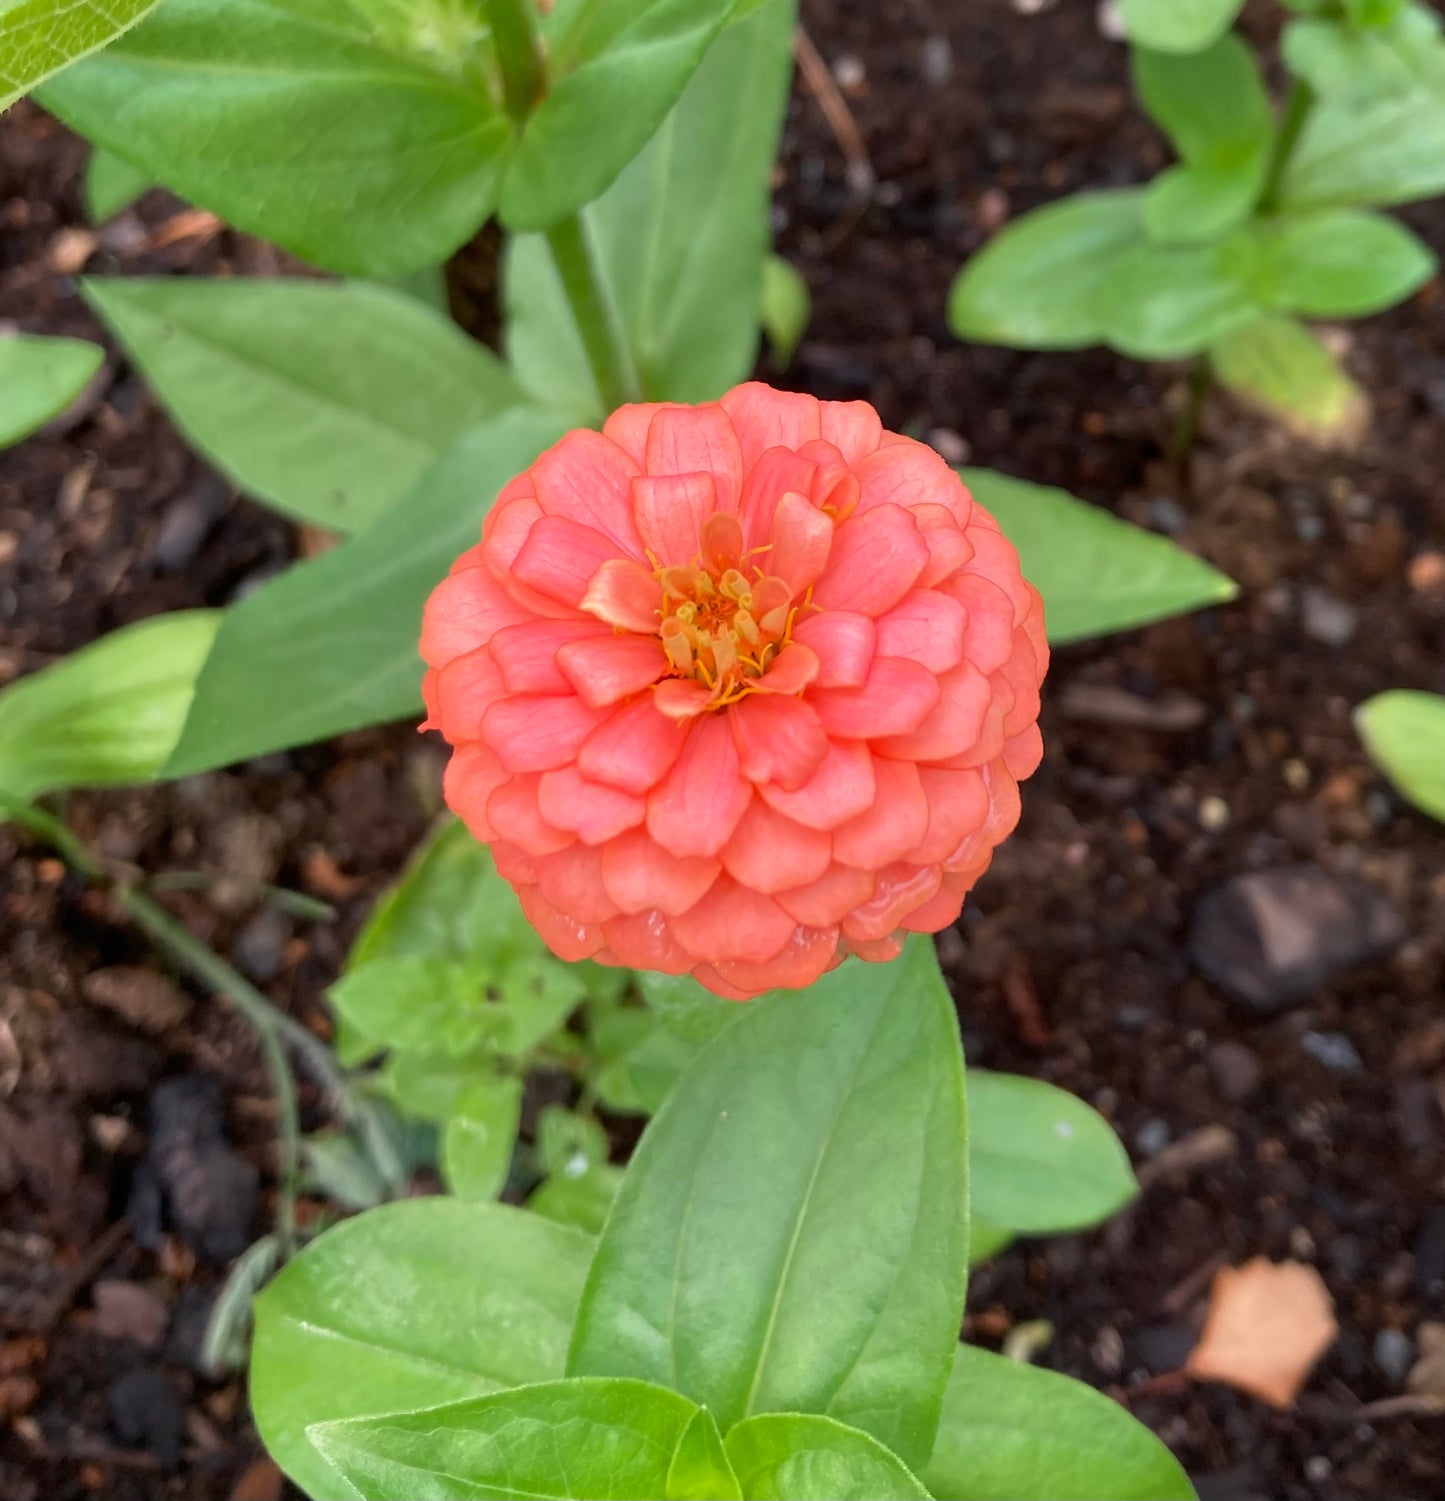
(791, 1232)
(1011, 1430)
(110, 184)
(1372, 13)
(39, 378)
(700, 1470)
(1376, 152)
(535, 994)
(1211, 104)
(786, 307)
(569, 1143)
(329, 400)
(640, 1060)
(338, 1166)
(357, 147)
(40, 37)
(1343, 63)
(1035, 285)
(409, 1002)
(616, 70)
(686, 1008)
(330, 645)
(1185, 205)
(796, 1456)
(428, 1084)
(1338, 263)
(1039, 1159)
(583, 1199)
(419, 1302)
(1163, 302)
(986, 1241)
(680, 238)
(1096, 573)
(1178, 25)
(559, 1441)
(1404, 733)
(108, 714)
(1279, 364)
(479, 1136)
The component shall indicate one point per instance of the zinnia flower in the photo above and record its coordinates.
(737, 689)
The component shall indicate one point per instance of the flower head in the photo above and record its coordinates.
(737, 689)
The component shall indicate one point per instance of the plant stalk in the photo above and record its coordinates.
(1186, 429)
(594, 313)
(1296, 112)
(519, 55)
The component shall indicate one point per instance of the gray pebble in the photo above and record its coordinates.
(1334, 1050)
(1328, 620)
(186, 523)
(1236, 1071)
(1152, 1137)
(937, 60)
(1394, 1355)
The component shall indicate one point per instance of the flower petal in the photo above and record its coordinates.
(733, 922)
(568, 938)
(909, 473)
(535, 733)
(1021, 674)
(790, 671)
(876, 558)
(572, 882)
(644, 940)
(625, 594)
(627, 427)
(948, 548)
(900, 889)
(802, 537)
(560, 557)
(604, 669)
(764, 418)
(528, 654)
(953, 726)
(588, 478)
(852, 427)
(936, 915)
(697, 805)
(771, 853)
(830, 898)
(1023, 752)
(957, 807)
(464, 612)
(896, 822)
(473, 774)
(896, 699)
(845, 643)
(779, 739)
(989, 638)
(512, 810)
(770, 477)
(670, 510)
(634, 748)
(807, 955)
(682, 698)
(463, 691)
(697, 440)
(593, 811)
(927, 627)
(838, 790)
(639, 874)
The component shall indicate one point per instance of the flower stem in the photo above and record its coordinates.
(594, 312)
(524, 74)
(1296, 112)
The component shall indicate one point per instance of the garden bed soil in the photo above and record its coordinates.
(1071, 963)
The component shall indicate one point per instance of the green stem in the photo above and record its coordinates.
(519, 56)
(593, 311)
(1186, 430)
(1296, 112)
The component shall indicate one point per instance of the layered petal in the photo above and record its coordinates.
(697, 805)
(876, 559)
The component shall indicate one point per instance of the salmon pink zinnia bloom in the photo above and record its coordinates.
(737, 689)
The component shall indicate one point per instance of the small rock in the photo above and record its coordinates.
(937, 60)
(1213, 814)
(950, 445)
(1110, 19)
(1152, 1137)
(1334, 1050)
(146, 1411)
(141, 997)
(71, 249)
(186, 523)
(1161, 1348)
(260, 946)
(1167, 515)
(1430, 1253)
(1236, 1071)
(1421, 1120)
(1271, 937)
(850, 73)
(129, 1310)
(1309, 528)
(1393, 1354)
(1426, 573)
(1102, 703)
(1326, 619)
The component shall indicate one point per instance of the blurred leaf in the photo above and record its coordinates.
(1185, 205)
(421, 1301)
(1096, 573)
(1011, 1430)
(413, 1003)
(1279, 364)
(1035, 285)
(39, 378)
(340, 1168)
(330, 645)
(1178, 25)
(110, 184)
(1338, 263)
(429, 1084)
(223, 1344)
(1372, 13)
(640, 1061)
(582, 1199)
(355, 146)
(700, 1470)
(568, 1143)
(790, 1234)
(1041, 1160)
(680, 239)
(686, 1008)
(1379, 151)
(806, 1457)
(1211, 104)
(40, 37)
(557, 1441)
(1404, 733)
(1163, 302)
(328, 400)
(1343, 63)
(108, 714)
(786, 307)
(479, 1136)
(986, 1241)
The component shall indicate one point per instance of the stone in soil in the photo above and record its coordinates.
(1274, 936)
(1161, 1348)
(1334, 1050)
(129, 1310)
(146, 1412)
(141, 997)
(1393, 1353)
(187, 522)
(1236, 1071)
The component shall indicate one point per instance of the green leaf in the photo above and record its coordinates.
(791, 1232)
(700, 1470)
(1162, 302)
(798, 1456)
(1372, 13)
(582, 1199)
(569, 1143)
(409, 1002)
(617, 69)
(640, 1061)
(1011, 1430)
(680, 239)
(479, 1136)
(986, 1241)
(110, 184)
(1279, 364)
(1035, 285)
(428, 1084)
(1185, 205)
(329, 400)
(39, 378)
(1040, 1160)
(558, 1441)
(1096, 573)
(1404, 733)
(1383, 151)
(1339, 263)
(1178, 25)
(108, 714)
(686, 1008)
(339, 1167)
(786, 308)
(40, 37)
(1211, 104)
(1345, 64)
(422, 1301)
(330, 645)
(302, 121)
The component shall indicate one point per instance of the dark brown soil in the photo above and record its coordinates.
(1071, 962)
